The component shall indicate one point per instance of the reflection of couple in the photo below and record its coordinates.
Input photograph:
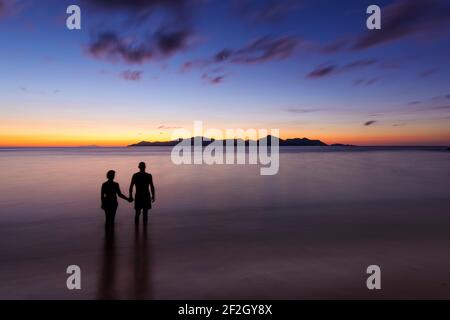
(142, 200)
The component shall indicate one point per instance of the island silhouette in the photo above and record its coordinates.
(206, 141)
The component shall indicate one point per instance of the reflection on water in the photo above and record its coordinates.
(107, 278)
(139, 286)
(140, 264)
(225, 231)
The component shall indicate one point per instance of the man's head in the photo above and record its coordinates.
(141, 166)
(110, 175)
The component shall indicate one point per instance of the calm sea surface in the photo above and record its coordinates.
(225, 231)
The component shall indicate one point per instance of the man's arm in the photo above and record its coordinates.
(131, 188)
(152, 188)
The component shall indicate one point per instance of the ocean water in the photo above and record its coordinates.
(225, 231)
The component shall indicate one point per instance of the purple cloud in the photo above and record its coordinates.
(142, 6)
(330, 69)
(169, 42)
(8, 7)
(427, 109)
(213, 79)
(443, 97)
(189, 65)
(359, 64)
(222, 55)
(301, 110)
(131, 75)
(262, 50)
(438, 108)
(404, 18)
(428, 72)
(171, 37)
(322, 71)
(333, 47)
(265, 11)
(366, 82)
(109, 46)
(164, 43)
(368, 123)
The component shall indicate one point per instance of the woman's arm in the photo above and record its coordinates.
(120, 194)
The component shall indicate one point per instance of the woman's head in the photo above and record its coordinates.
(110, 175)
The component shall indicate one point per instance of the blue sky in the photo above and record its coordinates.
(139, 68)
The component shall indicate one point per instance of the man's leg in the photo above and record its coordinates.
(136, 217)
(145, 214)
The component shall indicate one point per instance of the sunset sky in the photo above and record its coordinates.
(139, 69)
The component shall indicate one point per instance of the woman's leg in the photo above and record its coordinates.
(113, 214)
(108, 216)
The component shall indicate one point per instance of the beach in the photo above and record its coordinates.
(225, 231)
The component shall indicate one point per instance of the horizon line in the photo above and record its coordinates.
(131, 146)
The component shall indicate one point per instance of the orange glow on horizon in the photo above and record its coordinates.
(117, 141)
(75, 133)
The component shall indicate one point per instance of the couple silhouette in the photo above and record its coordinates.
(143, 197)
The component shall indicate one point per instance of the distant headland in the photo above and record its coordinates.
(303, 142)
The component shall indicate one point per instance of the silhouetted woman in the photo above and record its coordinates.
(110, 191)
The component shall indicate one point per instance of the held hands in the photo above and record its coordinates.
(130, 199)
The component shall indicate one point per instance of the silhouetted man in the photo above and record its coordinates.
(143, 199)
(110, 191)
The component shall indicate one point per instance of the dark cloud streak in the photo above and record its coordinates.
(407, 17)
(108, 45)
(366, 82)
(115, 43)
(301, 111)
(260, 50)
(170, 42)
(265, 11)
(331, 69)
(142, 6)
(322, 71)
(369, 123)
(213, 79)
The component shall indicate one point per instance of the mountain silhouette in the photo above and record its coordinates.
(207, 141)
